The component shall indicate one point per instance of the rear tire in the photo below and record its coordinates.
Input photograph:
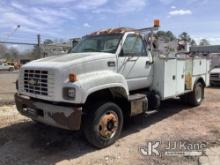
(102, 124)
(37, 123)
(196, 97)
(10, 69)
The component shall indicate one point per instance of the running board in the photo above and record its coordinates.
(151, 112)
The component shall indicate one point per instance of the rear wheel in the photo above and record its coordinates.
(102, 125)
(37, 122)
(10, 69)
(194, 98)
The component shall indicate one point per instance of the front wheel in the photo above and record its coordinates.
(102, 125)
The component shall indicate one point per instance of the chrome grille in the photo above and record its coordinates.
(215, 75)
(36, 82)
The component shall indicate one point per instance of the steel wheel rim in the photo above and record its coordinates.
(108, 124)
(198, 93)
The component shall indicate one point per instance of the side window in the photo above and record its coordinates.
(133, 46)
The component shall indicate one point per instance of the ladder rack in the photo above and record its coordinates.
(205, 49)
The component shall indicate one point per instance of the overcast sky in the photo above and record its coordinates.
(74, 18)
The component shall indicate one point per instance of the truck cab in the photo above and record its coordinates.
(110, 75)
(133, 59)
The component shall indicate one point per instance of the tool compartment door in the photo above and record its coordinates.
(180, 76)
(199, 66)
(170, 78)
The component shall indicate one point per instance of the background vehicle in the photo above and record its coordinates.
(215, 76)
(5, 66)
(214, 52)
(110, 75)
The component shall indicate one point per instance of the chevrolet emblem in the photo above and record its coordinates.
(33, 82)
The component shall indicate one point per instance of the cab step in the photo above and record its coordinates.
(138, 104)
(148, 113)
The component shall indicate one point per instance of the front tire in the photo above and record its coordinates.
(102, 125)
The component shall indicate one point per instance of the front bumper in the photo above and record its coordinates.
(66, 117)
(215, 81)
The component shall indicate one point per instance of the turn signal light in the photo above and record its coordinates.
(72, 77)
(156, 23)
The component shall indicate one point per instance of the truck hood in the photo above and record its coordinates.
(215, 70)
(69, 60)
(79, 63)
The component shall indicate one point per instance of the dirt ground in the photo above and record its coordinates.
(25, 142)
(7, 86)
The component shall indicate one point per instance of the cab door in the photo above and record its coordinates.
(134, 63)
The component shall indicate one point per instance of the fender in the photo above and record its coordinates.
(200, 79)
(99, 80)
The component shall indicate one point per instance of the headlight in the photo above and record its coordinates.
(69, 93)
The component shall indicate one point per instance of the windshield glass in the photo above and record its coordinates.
(102, 43)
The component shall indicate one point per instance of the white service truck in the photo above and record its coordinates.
(110, 75)
(4, 66)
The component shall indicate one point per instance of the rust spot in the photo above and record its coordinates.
(71, 122)
(113, 30)
(104, 129)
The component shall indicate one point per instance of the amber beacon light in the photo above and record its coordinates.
(156, 23)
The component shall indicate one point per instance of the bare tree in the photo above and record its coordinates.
(185, 37)
(13, 53)
(167, 36)
(35, 54)
(48, 41)
(3, 50)
(193, 42)
(204, 42)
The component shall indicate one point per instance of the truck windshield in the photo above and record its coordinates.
(102, 43)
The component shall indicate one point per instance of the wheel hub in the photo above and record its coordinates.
(198, 93)
(108, 124)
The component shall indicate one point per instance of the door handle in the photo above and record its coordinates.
(149, 63)
(111, 63)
